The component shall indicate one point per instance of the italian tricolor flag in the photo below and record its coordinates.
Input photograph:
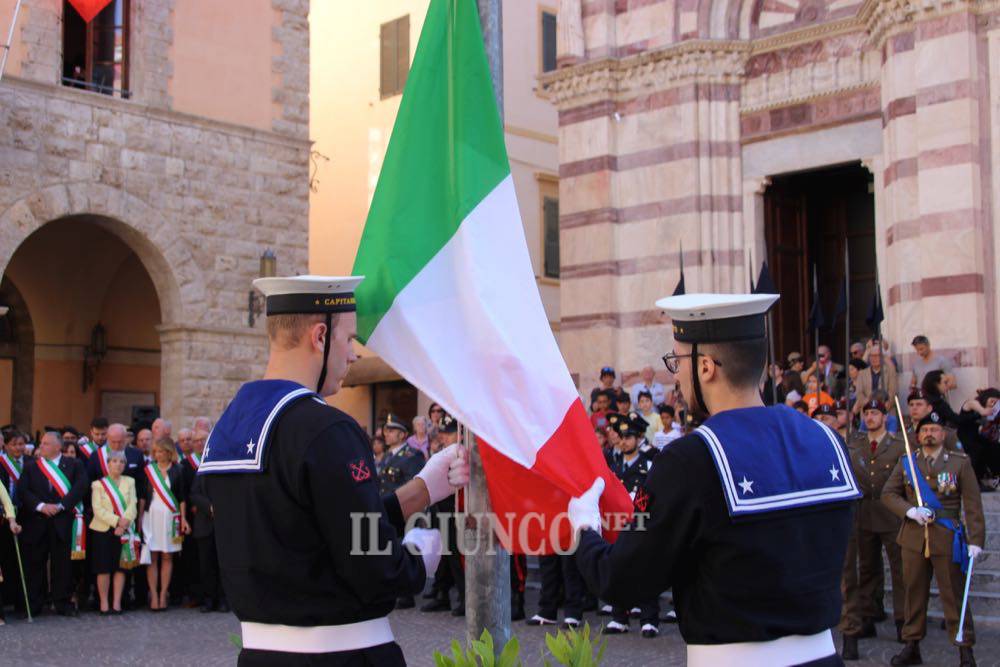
(450, 299)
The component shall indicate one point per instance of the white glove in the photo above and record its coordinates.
(974, 551)
(426, 543)
(437, 471)
(921, 515)
(584, 511)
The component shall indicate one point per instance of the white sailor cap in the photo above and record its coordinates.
(309, 294)
(717, 318)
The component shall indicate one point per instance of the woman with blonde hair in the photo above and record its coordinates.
(115, 507)
(164, 524)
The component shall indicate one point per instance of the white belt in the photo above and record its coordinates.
(318, 638)
(791, 650)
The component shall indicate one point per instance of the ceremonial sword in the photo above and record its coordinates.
(913, 473)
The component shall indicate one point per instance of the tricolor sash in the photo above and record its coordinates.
(86, 447)
(162, 488)
(102, 459)
(194, 460)
(771, 459)
(59, 482)
(959, 545)
(12, 467)
(130, 540)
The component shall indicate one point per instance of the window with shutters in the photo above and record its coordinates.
(394, 58)
(548, 40)
(95, 53)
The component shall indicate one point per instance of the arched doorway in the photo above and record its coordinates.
(94, 313)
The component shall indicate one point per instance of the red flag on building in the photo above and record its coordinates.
(88, 9)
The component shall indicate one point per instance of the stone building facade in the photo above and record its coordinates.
(193, 174)
(680, 122)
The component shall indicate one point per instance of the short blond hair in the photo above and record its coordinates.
(287, 331)
(167, 445)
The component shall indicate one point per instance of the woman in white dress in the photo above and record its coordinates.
(163, 524)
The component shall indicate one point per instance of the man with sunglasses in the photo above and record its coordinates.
(753, 547)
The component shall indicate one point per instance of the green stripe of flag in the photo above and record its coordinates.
(445, 155)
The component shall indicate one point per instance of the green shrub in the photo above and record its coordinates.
(480, 653)
(571, 648)
(575, 648)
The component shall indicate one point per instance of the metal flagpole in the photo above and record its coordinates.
(819, 312)
(487, 564)
(24, 584)
(847, 335)
(10, 39)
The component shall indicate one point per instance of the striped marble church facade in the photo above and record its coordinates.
(678, 117)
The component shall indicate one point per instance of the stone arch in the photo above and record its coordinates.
(179, 284)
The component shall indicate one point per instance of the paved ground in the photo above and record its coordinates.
(181, 637)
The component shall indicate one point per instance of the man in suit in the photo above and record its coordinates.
(50, 489)
(203, 534)
(12, 462)
(877, 381)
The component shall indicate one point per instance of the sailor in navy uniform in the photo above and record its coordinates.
(633, 470)
(748, 516)
(401, 462)
(310, 554)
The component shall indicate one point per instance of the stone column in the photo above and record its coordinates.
(203, 367)
(936, 267)
(649, 161)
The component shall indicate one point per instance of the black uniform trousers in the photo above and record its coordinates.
(48, 555)
(383, 655)
(208, 557)
(560, 579)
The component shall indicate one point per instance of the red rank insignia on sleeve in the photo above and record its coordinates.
(359, 470)
(641, 500)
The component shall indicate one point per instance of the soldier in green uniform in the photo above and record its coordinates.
(949, 490)
(400, 464)
(874, 454)
(918, 407)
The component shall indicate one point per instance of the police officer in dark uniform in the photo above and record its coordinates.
(633, 470)
(751, 544)
(401, 462)
(310, 554)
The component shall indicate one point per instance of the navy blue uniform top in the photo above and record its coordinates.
(756, 578)
(285, 536)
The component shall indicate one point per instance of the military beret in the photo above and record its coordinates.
(875, 404)
(916, 395)
(841, 404)
(931, 418)
(825, 409)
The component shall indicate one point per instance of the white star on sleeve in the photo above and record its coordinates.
(250, 446)
(746, 485)
(834, 474)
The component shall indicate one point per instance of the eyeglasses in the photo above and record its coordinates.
(433, 410)
(673, 361)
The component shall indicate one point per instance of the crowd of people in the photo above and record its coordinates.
(107, 520)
